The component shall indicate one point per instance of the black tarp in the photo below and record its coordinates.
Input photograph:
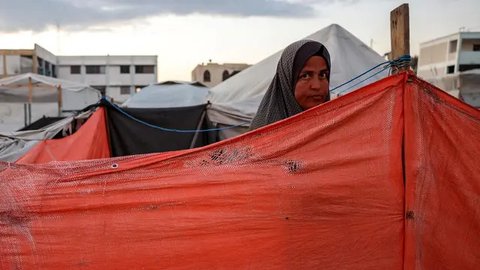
(129, 137)
(42, 122)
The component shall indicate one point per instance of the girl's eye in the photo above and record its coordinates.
(323, 75)
(304, 76)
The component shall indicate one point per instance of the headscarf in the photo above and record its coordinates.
(279, 101)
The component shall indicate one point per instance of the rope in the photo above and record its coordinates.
(167, 129)
(397, 63)
(376, 73)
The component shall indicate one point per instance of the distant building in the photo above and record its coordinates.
(211, 74)
(452, 63)
(115, 76)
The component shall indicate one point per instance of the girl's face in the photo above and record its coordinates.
(311, 88)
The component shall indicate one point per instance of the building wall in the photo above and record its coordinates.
(438, 57)
(110, 80)
(14, 62)
(433, 54)
(442, 60)
(41, 61)
(216, 72)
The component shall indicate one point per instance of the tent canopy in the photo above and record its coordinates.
(236, 100)
(169, 94)
(74, 96)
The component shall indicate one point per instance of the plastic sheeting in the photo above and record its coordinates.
(442, 150)
(324, 189)
(129, 137)
(13, 145)
(89, 142)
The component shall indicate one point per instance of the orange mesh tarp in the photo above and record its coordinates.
(321, 190)
(89, 142)
(442, 163)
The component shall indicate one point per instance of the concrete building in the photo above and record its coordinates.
(452, 63)
(211, 74)
(115, 76)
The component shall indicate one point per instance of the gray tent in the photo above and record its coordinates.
(169, 94)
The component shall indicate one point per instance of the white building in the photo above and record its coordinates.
(115, 76)
(211, 74)
(452, 63)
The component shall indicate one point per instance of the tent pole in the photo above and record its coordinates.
(192, 144)
(60, 105)
(25, 114)
(30, 99)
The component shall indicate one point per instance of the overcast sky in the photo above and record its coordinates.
(186, 33)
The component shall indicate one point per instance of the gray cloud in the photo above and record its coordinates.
(36, 15)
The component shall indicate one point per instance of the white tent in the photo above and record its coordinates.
(44, 96)
(30, 87)
(169, 94)
(236, 100)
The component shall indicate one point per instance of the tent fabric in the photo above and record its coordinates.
(129, 137)
(89, 142)
(372, 181)
(75, 96)
(442, 180)
(169, 94)
(14, 145)
(236, 100)
(42, 122)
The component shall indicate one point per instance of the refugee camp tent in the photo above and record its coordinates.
(27, 97)
(169, 94)
(236, 100)
(113, 131)
(89, 142)
(169, 108)
(150, 130)
(364, 185)
(14, 145)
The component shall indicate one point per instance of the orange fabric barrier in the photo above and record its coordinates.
(89, 142)
(321, 190)
(442, 148)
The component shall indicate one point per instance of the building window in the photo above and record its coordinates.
(450, 69)
(125, 90)
(476, 47)
(225, 75)
(452, 46)
(40, 68)
(462, 68)
(206, 76)
(124, 69)
(95, 69)
(74, 69)
(101, 88)
(144, 69)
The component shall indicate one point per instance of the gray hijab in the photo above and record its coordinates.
(279, 101)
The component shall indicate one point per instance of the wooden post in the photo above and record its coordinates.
(60, 103)
(400, 31)
(4, 59)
